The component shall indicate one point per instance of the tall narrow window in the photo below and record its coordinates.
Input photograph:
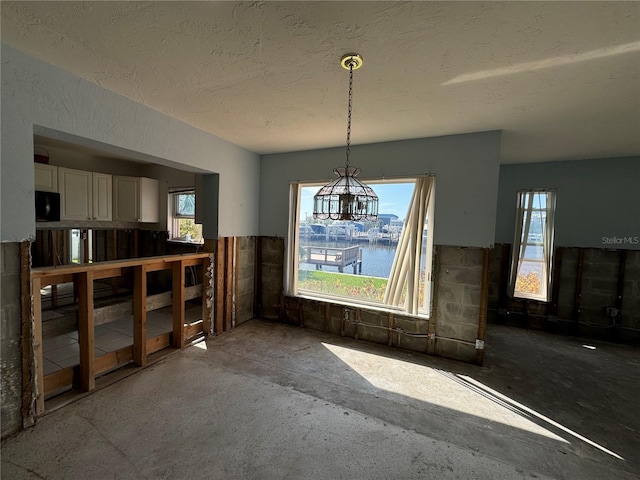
(182, 223)
(533, 245)
(386, 263)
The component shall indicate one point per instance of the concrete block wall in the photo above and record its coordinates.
(271, 251)
(631, 300)
(10, 350)
(599, 285)
(360, 323)
(451, 332)
(598, 289)
(567, 279)
(457, 301)
(496, 258)
(245, 270)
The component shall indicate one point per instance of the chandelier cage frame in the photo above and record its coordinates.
(346, 197)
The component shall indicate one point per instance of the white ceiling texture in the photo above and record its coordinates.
(561, 79)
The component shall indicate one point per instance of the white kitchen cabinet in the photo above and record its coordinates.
(76, 194)
(136, 199)
(102, 197)
(85, 195)
(46, 177)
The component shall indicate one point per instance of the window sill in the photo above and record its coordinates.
(530, 298)
(184, 242)
(363, 304)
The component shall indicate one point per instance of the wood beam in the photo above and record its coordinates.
(178, 305)
(114, 359)
(31, 340)
(114, 256)
(158, 343)
(484, 304)
(140, 315)
(433, 319)
(193, 329)
(207, 295)
(228, 284)
(55, 279)
(107, 273)
(219, 290)
(236, 281)
(86, 331)
(55, 263)
(58, 380)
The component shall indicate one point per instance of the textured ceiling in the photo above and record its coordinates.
(561, 79)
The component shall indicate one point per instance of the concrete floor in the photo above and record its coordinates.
(268, 401)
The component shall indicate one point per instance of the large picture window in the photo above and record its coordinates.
(386, 263)
(533, 245)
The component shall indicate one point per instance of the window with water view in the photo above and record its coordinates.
(386, 263)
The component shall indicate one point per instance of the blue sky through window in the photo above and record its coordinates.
(393, 198)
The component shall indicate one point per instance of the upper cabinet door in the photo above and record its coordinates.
(76, 194)
(126, 199)
(46, 177)
(136, 199)
(102, 197)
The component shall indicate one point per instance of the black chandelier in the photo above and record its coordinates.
(346, 197)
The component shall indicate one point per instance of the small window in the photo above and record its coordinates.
(385, 263)
(533, 245)
(182, 224)
(80, 246)
(185, 204)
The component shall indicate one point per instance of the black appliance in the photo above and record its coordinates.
(47, 207)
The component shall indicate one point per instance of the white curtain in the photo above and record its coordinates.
(405, 269)
(548, 238)
(291, 257)
(524, 210)
(517, 250)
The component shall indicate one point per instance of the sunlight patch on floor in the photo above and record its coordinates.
(431, 385)
(532, 412)
(200, 344)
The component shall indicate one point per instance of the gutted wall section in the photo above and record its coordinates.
(595, 294)
(450, 332)
(271, 266)
(10, 353)
(245, 271)
(458, 301)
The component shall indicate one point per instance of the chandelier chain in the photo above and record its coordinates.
(349, 114)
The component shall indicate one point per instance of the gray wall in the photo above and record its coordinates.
(595, 199)
(466, 169)
(38, 98)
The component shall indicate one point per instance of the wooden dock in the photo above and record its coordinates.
(333, 257)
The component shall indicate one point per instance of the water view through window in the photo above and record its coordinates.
(356, 259)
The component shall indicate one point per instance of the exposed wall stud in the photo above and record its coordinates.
(484, 302)
(86, 330)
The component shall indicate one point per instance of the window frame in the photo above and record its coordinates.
(292, 263)
(174, 216)
(524, 219)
